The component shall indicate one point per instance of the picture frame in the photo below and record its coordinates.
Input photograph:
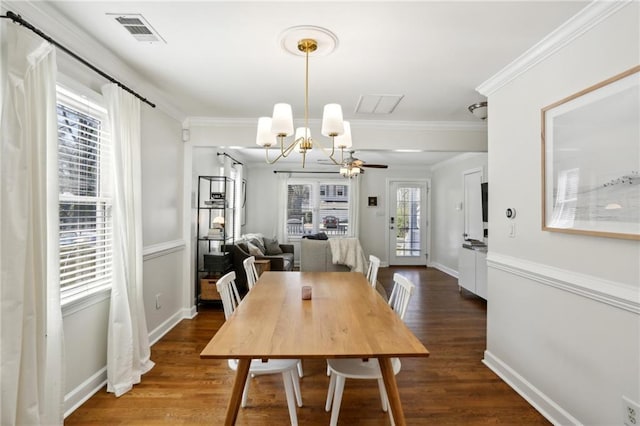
(591, 160)
(372, 202)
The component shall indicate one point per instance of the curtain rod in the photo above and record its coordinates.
(227, 155)
(18, 19)
(294, 171)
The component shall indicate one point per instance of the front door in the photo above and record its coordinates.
(407, 218)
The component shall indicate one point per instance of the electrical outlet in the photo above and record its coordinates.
(158, 304)
(631, 412)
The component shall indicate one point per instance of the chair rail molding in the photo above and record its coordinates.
(162, 249)
(612, 293)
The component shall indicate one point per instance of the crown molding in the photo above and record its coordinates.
(45, 17)
(583, 21)
(355, 124)
(457, 159)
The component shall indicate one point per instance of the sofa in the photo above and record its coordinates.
(279, 262)
(315, 256)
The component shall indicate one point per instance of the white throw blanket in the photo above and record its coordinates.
(347, 251)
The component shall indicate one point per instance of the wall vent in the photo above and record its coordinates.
(138, 27)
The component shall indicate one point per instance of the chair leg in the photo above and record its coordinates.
(383, 395)
(332, 387)
(288, 390)
(300, 370)
(337, 400)
(328, 371)
(245, 393)
(393, 422)
(296, 387)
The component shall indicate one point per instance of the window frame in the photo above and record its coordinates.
(321, 188)
(76, 296)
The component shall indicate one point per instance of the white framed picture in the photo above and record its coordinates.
(591, 160)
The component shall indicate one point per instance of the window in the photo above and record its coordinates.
(317, 206)
(84, 155)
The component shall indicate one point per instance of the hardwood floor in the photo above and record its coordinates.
(451, 387)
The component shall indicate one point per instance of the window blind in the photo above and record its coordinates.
(85, 203)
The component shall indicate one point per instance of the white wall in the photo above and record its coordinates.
(446, 199)
(563, 323)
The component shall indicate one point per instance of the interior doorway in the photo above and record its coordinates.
(407, 222)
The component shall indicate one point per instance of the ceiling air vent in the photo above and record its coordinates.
(378, 104)
(138, 27)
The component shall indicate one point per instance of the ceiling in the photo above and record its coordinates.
(224, 59)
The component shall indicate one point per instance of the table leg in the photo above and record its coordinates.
(236, 393)
(392, 390)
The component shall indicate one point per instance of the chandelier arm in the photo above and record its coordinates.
(284, 152)
(332, 152)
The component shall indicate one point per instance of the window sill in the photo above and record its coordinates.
(82, 301)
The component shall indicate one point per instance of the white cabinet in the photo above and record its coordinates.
(472, 271)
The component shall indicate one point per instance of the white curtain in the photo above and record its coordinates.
(31, 358)
(354, 207)
(280, 226)
(241, 198)
(128, 351)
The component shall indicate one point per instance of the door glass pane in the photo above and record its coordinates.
(408, 222)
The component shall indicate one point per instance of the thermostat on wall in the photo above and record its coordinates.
(511, 213)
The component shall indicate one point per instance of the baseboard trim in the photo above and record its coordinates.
(74, 399)
(190, 313)
(541, 402)
(166, 326)
(445, 269)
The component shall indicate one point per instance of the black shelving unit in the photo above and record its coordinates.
(216, 202)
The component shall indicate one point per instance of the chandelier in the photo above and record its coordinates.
(273, 131)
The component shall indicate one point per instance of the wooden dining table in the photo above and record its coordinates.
(345, 318)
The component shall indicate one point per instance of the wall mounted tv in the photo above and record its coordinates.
(485, 201)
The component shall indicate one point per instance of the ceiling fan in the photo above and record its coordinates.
(350, 161)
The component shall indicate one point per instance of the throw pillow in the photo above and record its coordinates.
(249, 237)
(254, 250)
(272, 246)
(258, 242)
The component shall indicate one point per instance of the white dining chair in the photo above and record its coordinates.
(348, 368)
(226, 286)
(372, 272)
(250, 269)
(252, 277)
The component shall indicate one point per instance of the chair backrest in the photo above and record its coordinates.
(226, 286)
(250, 268)
(401, 294)
(372, 272)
